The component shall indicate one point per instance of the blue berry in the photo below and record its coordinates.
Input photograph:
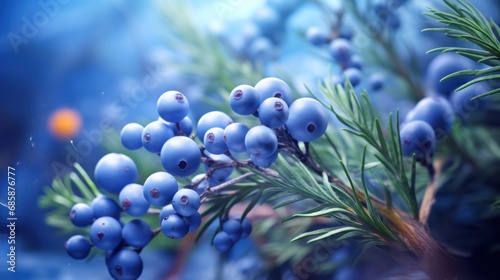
(284, 7)
(222, 242)
(234, 136)
(462, 103)
(394, 21)
(131, 136)
(186, 202)
(308, 119)
(267, 20)
(443, 65)
(174, 226)
(248, 34)
(78, 247)
(417, 137)
(212, 119)
(220, 174)
(172, 106)
(273, 112)
(346, 32)
(166, 211)
(340, 49)
(244, 100)
(113, 171)
(246, 226)
(154, 135)
(265, 162)
(233, 228)
(125, 264)
(194, 221)
(105, 206)
(436, 111)
(159, 188)
(316, 36)
(132, 200)
(377, 81)
(274, 87)
(136, 233)
(214, 141)
(261, 141)
(186, 125)
(81, 215)
(356, 62)
(261, 49)
(180, 156)
(353, 75)
(106, 233)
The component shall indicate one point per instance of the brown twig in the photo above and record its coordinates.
(430, 192)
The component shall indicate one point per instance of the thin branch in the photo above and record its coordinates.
(430, 192)
(210, 191)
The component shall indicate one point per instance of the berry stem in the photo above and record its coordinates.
(430, 191)
(179, 129)
(211, 190)
(153, 211)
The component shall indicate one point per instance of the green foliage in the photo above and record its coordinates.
(357, 114)
(203, 54)
(465, 22)
(64, 193)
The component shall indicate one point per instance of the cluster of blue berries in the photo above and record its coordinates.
(341, 51)
(448, 63)
(116, 173)
(429, 121)
(386, 16)
(232, 230)
(433, 117)
(122, 242)
(283, 123)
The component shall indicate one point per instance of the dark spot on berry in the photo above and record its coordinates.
(311, 127)
(182, 164)
(278, 95)
(224, 137)
(406, 141)
(147, 137)
(184, 200)
(257, 154)
(155, 193)
(72, 214)
(210, 137)
(126, 204)
(179, 97)
(126, 169)
(119, 270)
(238, 94)
(100, 235)
(278, 106)
(428, 144)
